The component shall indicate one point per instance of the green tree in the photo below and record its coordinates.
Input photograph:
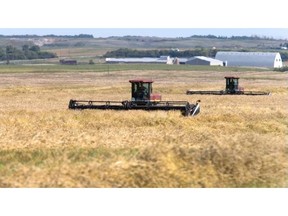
(2, 54)
(9, 53)
(25, 48)
(35, 48)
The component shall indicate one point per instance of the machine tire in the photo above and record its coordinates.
(189, 110)
(126, 104)
(71, 104)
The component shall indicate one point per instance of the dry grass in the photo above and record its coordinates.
(236, 141)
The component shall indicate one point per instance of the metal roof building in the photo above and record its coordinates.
(161, 60)
(250, 59)
(202, 60)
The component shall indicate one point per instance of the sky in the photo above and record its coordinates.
(277, 33)
(162, 18)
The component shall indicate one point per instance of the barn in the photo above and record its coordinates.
(250, 59)
(202, 60)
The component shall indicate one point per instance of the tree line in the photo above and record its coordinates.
(284, 56)
(253, 37)
(27, 52)
(209, 36)
(125, 52)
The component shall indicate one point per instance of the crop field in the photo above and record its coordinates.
(236, 141)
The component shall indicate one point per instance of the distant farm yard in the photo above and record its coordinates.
(236, 141)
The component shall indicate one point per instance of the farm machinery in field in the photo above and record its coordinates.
(232, 88)
(142, 98)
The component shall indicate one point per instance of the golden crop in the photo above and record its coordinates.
(236, 141)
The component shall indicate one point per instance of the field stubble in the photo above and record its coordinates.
(236, 141)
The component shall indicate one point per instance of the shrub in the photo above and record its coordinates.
(282, 69)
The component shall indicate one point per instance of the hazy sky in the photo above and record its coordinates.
(164, 18)
(278, 33)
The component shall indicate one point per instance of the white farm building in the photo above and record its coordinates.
(202, 60)
(161, 60)
(250, 59)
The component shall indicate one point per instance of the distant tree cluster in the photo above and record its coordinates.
(124, 52)
(284, 56)
(282, 69)
(33, 52)
(147, 38)
(253, 37)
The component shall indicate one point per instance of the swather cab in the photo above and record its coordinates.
(232, 86)
(142, 90)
